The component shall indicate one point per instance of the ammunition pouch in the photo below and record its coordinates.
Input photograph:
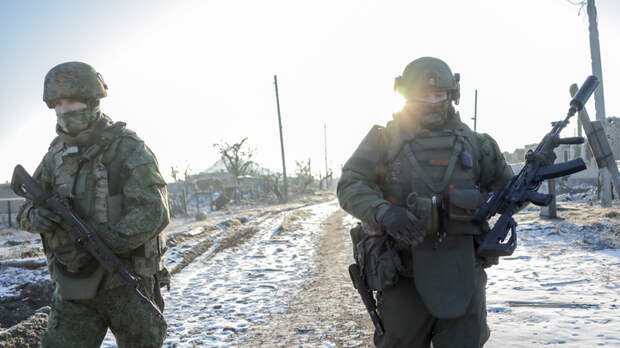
(462, 207)
(82, 285)
(357, 234)
(456, 208)
(147, 259)
(426, 209)
(463, 204)
(378, 259)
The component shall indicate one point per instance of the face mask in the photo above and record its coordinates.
(73, 122)
(431, 116)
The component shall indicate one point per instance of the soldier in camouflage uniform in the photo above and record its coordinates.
(112, 181)
(416, 184)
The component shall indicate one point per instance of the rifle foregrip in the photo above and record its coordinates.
(570, 141)
(560, 169)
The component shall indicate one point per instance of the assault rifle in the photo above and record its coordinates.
(523, 187)
(82, 234)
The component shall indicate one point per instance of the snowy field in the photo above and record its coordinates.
(561, 287)
(554, 292)
(216, 298)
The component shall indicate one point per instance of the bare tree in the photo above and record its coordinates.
(272, 185)
(174, 172)
(304, 174)
(237, 160)
(325, 179)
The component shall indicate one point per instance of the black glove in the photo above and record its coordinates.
(43, 220)
(545, 158)
(402, 225)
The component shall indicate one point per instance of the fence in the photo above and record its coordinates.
(8, 211)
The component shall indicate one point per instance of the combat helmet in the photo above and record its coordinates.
(428, 74)
(75, 80)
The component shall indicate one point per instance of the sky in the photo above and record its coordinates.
(187, 74)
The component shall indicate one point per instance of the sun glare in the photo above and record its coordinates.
(397, 102)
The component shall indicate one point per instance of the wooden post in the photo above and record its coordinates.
(197, 202)
(475, 118)
(326, 170)
(553, 211)
(8, 203)
(275, 82)
(599, 144)
(549, 211)
(599, 100)
(184, 198)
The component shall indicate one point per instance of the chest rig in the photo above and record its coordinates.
(435, 175)
(79, 174)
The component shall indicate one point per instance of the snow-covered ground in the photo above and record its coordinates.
(217, 297)
(553, 291)
(561, 287)
(17, 245)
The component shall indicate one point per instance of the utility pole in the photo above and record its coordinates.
(275, 82)
(8, 203)
(325, 142)
(475, 118)
(599, 100)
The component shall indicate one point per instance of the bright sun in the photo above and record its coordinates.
(397, 102)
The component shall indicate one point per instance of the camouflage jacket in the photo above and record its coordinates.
(119, 191)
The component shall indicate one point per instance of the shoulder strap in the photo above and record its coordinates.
(103, 140)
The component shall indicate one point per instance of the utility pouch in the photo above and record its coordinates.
(164, 278)
(145, 259)
(379, 262)
(425, 209)
(463, 204)
(357, 234)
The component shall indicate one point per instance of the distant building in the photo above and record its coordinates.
(9, 205)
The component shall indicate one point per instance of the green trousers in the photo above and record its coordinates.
(408, 323)
(84, 323)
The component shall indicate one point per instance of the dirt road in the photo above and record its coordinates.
(277, 277)
(326, 312)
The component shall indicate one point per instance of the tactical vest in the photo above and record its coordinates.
(94, 190)
(435, 175)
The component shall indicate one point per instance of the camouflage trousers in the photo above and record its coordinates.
(408, 323)
(84, 323)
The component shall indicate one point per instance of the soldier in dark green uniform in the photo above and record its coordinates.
(113, 181)
(416, 184)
